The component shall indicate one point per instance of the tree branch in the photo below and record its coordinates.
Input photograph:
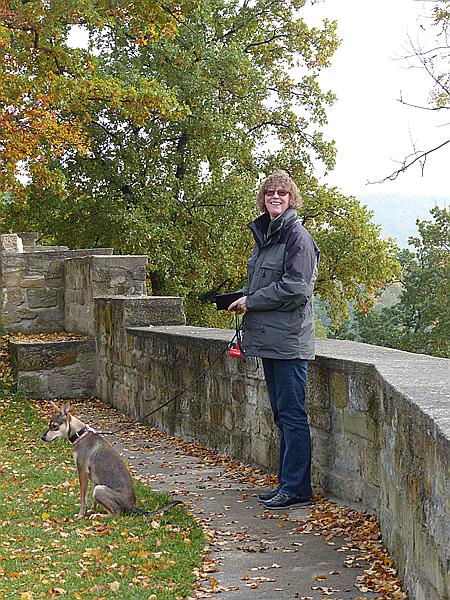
(262, 42)
(421, 156)
(432, 108)
(264, 123)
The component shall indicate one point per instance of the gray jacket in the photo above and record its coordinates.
(281, 274)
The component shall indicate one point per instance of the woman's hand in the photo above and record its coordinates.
(238, 305)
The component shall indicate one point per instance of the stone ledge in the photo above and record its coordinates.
(54, 369)
(421, 379)
(63, 252)
(140, 310)
(105, 259)
(379, 418)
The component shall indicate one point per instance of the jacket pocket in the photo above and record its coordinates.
(270, 275)
(269, 338)
(284, 343)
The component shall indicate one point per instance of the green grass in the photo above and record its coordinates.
(45, 552)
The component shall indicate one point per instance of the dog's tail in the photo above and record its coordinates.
(158, 511)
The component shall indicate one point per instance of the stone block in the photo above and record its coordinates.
(10, 242)
(432, 566)
(28, 238)
(338, 386)
(63, 369)
(11, 279)
(344, 485)
(70, 382)
(369, 461)
(153, 310)
(216, 415)
(55, 282)
(12, 263)
(345, 454)
(370, 494)
(320, 419)
(35, 281)
(321, 449)
(48, 320)
(360, 425)
(259, 451)
(33, 385)
(361, 393)
(13, 297)
(45, 356)
(20, 313)
(42, 298)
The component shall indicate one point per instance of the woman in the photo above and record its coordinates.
(278, 326)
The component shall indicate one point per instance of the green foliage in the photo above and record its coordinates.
(355, 261)
(436, 64)
(48, 89)
(420, 322)
(181, 190)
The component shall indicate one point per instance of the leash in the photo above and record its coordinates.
(233, 349)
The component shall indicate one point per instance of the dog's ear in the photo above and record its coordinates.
(65, 408)
(54, 406)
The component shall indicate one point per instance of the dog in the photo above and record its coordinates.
(98, 461)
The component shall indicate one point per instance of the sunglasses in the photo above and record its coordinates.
(281, 193)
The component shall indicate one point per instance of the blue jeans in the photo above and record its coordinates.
(286, 382)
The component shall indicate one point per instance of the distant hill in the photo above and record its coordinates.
(397, 213)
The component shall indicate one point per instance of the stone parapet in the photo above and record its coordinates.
(90, 276)
(112, 316)
(60, 369)
(28, 239)
(379, 418)
(32, 286)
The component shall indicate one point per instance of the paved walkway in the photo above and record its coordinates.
(253, 553)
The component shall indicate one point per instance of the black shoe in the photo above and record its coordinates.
(268, 495)
(280, 501)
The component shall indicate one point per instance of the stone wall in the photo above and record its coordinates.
(379, 419)
(90, 276)
(48, 370)
(32, 284)
(112, 315)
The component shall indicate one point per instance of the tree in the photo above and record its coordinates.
(433, 59)
(48, 88)
(420, 322)
(182, 190)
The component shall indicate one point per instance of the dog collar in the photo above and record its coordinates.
(76, 437)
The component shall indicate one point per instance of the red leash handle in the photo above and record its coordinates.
(235, 347)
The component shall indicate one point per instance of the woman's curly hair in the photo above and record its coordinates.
(279, 179)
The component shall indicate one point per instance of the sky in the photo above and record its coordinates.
(372, 129)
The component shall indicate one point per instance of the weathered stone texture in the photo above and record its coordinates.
(32, 284)
(116, 356)
(375, 440)
(91, 276)
(47, 370)
(28, 239)
(10, 242)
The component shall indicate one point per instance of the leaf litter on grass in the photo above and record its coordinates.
(360, 531)
(46, 553)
